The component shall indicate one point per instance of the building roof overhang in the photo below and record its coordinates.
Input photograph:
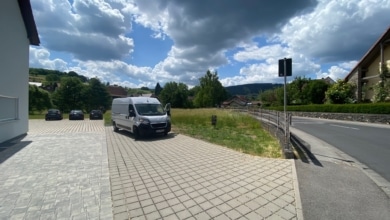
(372, 53)
(29, 22)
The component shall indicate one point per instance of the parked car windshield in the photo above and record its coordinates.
(149, 109)
(53, 111)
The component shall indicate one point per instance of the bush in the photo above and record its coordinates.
(376, 108)
(340, 93)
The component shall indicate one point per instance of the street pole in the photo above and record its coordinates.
(284, 64)
(285, 99)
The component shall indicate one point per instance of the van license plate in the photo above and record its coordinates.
(160, 130)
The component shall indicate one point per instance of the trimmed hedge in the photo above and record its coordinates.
(377, 108)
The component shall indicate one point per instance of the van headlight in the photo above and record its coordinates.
(144, 121)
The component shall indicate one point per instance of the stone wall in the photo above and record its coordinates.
(370, 118)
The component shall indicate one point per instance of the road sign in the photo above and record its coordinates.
(285, 67)
(284, 71)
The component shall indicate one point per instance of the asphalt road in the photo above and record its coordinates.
(334, 185)
(368, 143)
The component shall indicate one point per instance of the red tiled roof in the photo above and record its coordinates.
(117, 91)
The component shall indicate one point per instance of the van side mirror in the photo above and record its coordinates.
(167, 108)
(131, 113)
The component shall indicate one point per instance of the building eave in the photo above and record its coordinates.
(29, 22)
(371, 54)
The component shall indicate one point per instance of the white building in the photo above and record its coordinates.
(18, 32)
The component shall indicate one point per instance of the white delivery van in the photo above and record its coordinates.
(140, 115)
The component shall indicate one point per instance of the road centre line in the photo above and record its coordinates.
(340, 126)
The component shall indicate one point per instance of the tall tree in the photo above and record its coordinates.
(52, 78)
(176, 94)
(70, 95)
(97, 96)
(297, 90)
(269, 97)
(38, 99)
(157, 89)
(193, 91)
(316, 90)
(81, 77)
(211, 92)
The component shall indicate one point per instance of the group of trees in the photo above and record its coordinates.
(303, 91)
(209, 93)
(72, 94)
(39, 99)
(79, 92)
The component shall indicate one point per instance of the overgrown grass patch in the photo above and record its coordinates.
(107, 118)
(234, 130)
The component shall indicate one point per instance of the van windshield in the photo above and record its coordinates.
(149, 109)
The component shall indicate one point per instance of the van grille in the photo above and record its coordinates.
(159, 125)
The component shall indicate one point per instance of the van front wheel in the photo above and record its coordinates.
(136, 133)
(116, 129)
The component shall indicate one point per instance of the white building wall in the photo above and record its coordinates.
(14, 66)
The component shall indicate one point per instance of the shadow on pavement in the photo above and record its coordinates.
(303, 150)
(11, 147)
(155, 137)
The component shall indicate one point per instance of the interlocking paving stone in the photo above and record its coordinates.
(83, 170)
(61, 173)
(186, 178)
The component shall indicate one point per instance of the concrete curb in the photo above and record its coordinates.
(298, 201)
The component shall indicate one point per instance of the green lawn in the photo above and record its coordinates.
(233, 130)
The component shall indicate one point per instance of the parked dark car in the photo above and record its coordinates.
(76, 115)
(95, 114)
(53, 114)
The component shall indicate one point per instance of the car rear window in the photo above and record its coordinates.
(53, 111)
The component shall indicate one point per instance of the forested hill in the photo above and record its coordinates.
(254, 88)
(42, 75)
(45, 75)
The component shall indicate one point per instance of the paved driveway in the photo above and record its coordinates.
(58, 171)
(178, 177)
(83, 170)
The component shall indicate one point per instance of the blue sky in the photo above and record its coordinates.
(137, 43)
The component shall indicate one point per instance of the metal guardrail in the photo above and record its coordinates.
(277, 123)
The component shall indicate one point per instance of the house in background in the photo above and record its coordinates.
(366, 73)
(117, 91)
(18, 32)
(239, 101)
(328, 80)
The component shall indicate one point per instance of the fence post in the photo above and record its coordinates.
(288, 152)
(277, 123)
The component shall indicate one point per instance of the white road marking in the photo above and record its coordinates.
(308, 123)
(340, 126)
